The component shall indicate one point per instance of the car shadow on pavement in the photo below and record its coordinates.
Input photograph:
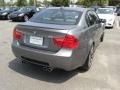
(36, 72)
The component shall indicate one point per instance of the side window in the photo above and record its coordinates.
(95, 17)
(90, 19)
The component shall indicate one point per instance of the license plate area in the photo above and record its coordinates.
(35, 40)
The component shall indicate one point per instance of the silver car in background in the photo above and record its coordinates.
(59, 37)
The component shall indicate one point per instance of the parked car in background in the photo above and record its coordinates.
(1, 8)
(118, 7)
(118, 11)
(59, 37)
(107, 14)
(95, 7)
(4, 14)
(24, 14)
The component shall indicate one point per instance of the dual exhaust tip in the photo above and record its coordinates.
(47, 69)
(44, 67)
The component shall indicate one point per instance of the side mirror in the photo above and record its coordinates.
(102, 21)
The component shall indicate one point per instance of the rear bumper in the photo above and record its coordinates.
(61, 60)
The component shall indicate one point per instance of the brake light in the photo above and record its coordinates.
(17, 35)
(68, 41)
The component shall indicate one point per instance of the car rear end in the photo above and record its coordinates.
(49, 45)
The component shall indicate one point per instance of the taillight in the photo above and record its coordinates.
(17, 35)
(68, 41)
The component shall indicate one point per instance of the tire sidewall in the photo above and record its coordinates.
(89, 62)
(26, 18)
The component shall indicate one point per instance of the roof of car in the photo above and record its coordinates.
(71, 8)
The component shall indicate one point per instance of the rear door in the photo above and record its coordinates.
(92, 27)
(98, 26)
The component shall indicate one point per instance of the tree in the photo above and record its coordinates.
(66, 2)
(46, 2)
(92, 2)
(21, 2)
(31, 2)
(2, 2)
(56, 3)
(114, 2)
(35, 2)
(59, 3)
(84, 2)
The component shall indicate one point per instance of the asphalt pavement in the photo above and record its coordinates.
(103, 75)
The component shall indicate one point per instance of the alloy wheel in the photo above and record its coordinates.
(26, 18)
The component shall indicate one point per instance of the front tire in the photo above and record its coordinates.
(8, 18)
(26, 18)
(102, 38)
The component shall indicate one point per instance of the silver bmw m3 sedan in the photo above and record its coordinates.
(59, 37)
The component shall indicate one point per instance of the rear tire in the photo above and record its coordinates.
(89, 60)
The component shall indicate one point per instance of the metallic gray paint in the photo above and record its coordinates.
(67, 59)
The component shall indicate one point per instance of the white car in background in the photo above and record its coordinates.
(107, 14)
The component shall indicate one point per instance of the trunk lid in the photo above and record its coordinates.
(40, 36)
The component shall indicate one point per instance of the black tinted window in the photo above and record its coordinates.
(27, 9)
(92, 18)
(57, 16)
(95, 17)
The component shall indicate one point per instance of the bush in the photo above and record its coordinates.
(59, 3)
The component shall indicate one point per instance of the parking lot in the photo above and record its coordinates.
(104, 74)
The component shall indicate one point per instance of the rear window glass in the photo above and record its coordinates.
(25, 9)
(105, 11)
(57, 16)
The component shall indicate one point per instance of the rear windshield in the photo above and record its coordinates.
(57, 16)
(25, 9)
(105, 11)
